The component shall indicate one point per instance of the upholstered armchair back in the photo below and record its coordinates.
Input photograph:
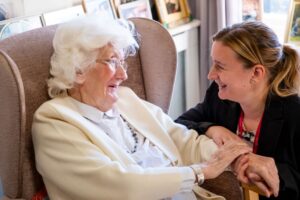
(24, 68)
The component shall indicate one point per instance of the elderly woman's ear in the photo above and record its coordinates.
(80, 77)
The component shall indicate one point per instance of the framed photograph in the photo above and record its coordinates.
(11, 8)
(63, 15)
(18, 25)
(99, 7)
(292, 35)
(139, 8)
(6, 10)
(172, 12)
(252, 10)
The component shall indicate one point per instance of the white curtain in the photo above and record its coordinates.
(214, 15)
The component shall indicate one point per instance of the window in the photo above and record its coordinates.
(274, 13)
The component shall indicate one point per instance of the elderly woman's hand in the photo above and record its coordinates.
(224, 157)
(258, 170)
(221, 135)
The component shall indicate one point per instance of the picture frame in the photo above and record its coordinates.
(10, 9)
(139, 8)
(292, 35)
(17, 25)
(6, 10)
(252, 10)
(103, 7)
(173, 12)
(63, 15)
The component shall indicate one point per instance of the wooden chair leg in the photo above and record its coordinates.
(250, 192)
(250, 195)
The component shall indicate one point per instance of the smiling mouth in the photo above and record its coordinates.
(113, 85)
(221, 86)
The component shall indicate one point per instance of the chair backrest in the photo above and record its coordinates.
(24, 68)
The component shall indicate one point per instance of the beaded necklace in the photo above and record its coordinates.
(251, 136)
(134, 133)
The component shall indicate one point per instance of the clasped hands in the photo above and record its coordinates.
(249, 168)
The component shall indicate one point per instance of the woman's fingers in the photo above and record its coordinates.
(224, 157)
(221, 135)
(254, 177)
(265, 168)
(263, 188)
(239, 162)
(241, 174)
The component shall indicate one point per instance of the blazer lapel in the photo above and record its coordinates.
(271, 128)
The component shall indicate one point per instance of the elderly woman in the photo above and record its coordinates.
(98, 140)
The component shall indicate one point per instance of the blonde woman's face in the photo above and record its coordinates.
(102, 80)
(229, 73)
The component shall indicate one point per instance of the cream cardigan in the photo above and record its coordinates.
(77, 161)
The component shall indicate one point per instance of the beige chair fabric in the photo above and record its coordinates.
(24, 67)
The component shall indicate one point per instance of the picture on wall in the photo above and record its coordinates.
(103, 7)
(292, 35)
(172, 6)
(252, 10)
(139, 8)
(14, 26)
(3, 13)
(173, 12)
(11, 8)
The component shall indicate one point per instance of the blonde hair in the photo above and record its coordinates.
(255, 43)
(76, 46)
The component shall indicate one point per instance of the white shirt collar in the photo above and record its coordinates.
(94, 114)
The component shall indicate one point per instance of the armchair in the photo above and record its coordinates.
(24, 67)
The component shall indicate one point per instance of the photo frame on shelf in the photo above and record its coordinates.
(17, 25)
(6, 10)
(11, 8)
(63, 15)
(103, 7)
(292, 35)
(173, 12)
(139, 8)
(252, 10)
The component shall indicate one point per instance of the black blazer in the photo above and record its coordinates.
(279, 136)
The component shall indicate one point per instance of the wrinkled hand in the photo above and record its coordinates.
(221, 135)
(223, 158)
(258, 170)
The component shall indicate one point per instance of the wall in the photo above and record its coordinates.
(193, 4)
(32, 7)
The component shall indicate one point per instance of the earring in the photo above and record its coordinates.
(252, 81)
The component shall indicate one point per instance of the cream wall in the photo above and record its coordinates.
(32, 7)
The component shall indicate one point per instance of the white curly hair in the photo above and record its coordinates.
(76, 46)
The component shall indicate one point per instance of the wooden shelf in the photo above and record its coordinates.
(184, 27)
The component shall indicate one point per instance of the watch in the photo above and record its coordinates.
(198, 173)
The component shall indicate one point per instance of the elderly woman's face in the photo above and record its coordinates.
(101, 81)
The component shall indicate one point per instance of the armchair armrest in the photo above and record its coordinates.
(225, 185)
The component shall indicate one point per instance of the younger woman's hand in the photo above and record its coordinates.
(224, 157)
(221, 135)
(258, 170)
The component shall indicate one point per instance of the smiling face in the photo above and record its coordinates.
(229, 73)
(99, 84)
